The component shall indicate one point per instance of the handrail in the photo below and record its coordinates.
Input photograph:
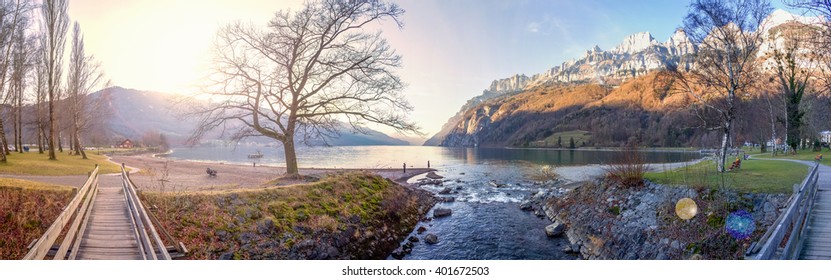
(79, 217)
(793, 219)
(146, 233)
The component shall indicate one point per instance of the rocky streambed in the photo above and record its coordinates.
(606, 220)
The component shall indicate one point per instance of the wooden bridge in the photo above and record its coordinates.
(107, 222)
(803, 230)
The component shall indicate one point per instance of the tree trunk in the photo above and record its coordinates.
(18, 130)
(52, 131)
(41, 135)
(291, 157)
(724, 141)
(78, 149)
(60, 142)
(5, 146)
(4, 140)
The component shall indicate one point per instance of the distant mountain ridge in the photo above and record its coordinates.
(132, 113)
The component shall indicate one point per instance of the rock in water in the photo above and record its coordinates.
(555, 229)
(434, 176)
(526, 206)
(442, 212)
(421, 230)
(431, 239)
(413, 238)
(447, 190)
(398, 254)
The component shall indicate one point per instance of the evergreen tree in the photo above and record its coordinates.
(571, 143)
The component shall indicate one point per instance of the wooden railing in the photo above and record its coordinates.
(150, 244)
(784, 239)
(77, 212)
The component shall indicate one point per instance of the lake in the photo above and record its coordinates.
(486, 222)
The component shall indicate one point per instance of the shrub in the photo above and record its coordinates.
(629, 169)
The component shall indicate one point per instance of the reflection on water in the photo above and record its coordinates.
(417, 156)
(486, 222)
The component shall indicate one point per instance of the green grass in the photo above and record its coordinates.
(580, 138)
(755, 176)
(33, 163)
(27, 209)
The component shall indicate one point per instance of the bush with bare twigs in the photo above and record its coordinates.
(629, 168)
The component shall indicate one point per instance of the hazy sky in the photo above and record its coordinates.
(452, 50)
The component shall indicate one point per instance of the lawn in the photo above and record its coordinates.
(28, 208)
(756, 176)
(32, 163)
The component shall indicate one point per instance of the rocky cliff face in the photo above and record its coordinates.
(637, 55)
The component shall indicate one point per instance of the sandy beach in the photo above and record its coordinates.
(184, 175)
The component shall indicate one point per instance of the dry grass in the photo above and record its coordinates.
(629, 169)
(27, 209)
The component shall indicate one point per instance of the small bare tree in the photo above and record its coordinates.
(55, 24)
(84, 75)
(308, 70)
(728, 39)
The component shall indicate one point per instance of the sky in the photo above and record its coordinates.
(452, 50)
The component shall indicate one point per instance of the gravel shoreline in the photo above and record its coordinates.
(584, 173)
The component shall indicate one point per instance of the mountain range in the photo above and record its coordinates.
(132, 113)
(483, 119)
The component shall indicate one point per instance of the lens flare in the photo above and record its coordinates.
(686, 208)
(740, 224)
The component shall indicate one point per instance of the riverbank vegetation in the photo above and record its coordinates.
(342, 216)
(754, 176)
(38, 164)
(28, 209)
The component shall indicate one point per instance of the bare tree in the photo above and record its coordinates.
(305, 72)
(728, 40)
(21, 64)
(822, 42)
(84, 75)
(55, 23)
(11, 13)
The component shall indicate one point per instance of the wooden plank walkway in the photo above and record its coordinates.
(110, 233)
(818, 237)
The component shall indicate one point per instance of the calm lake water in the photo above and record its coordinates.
(486, 222)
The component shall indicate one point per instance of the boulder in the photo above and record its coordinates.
(431, 239)
(446, 190)
(413, 239)
(555, 229)
(526, 206)
(442, 212)
(398, 253)
(434, 176)
(421, 230)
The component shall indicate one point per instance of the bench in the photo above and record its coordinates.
(736, 164)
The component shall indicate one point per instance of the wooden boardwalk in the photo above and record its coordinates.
(111, 233)
(104, 222)
(817, 244)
